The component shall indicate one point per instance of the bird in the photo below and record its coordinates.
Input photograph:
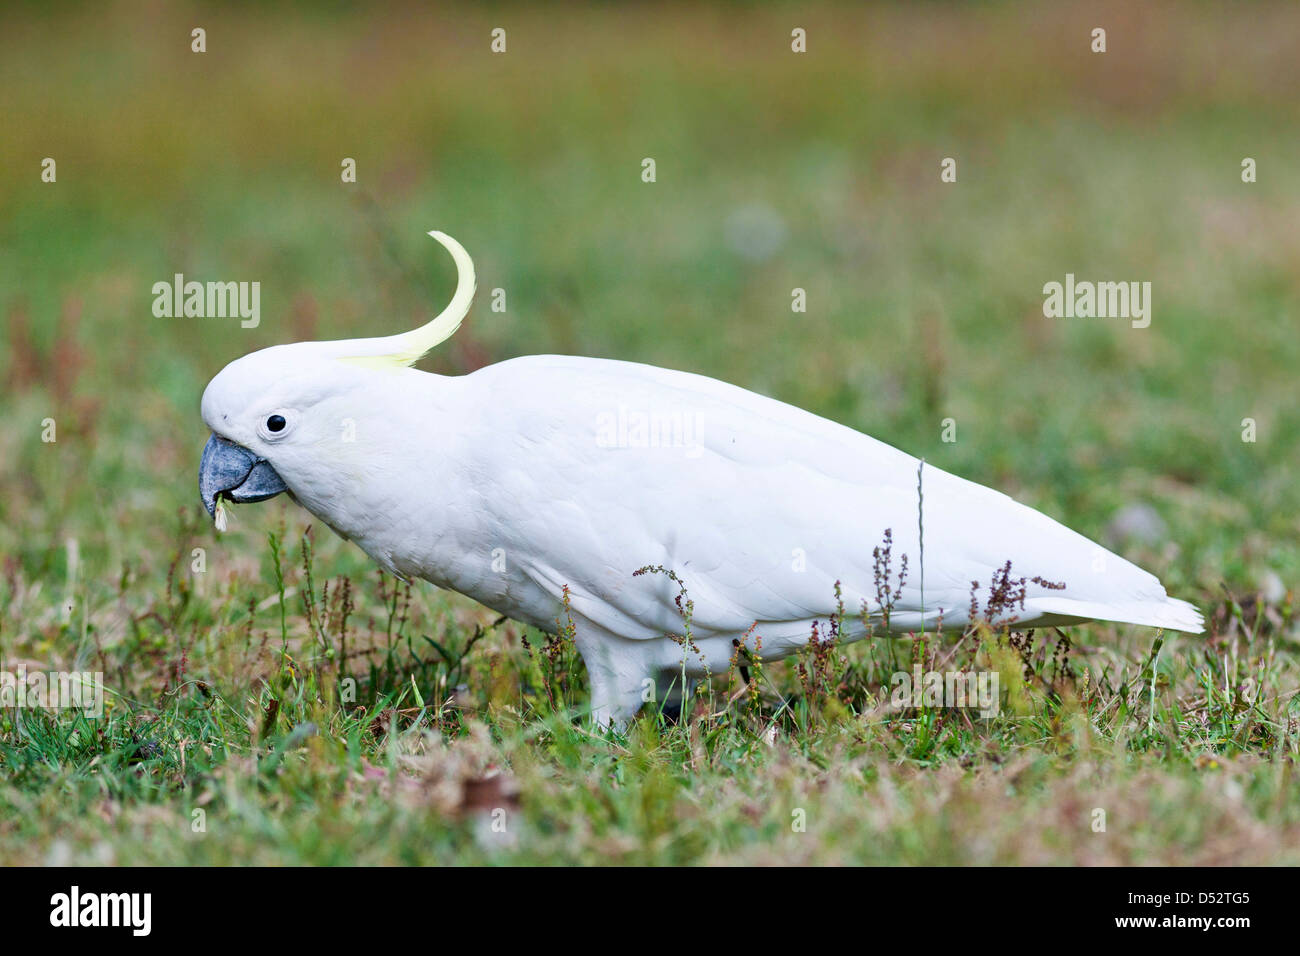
(549, 487)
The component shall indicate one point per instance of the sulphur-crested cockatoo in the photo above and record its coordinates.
(551, 472)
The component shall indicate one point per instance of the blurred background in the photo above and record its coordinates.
(774, 171)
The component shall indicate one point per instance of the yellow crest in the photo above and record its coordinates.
(407, 348)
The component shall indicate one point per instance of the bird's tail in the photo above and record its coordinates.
(1171, 613)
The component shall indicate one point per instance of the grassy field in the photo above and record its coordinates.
(232, 733)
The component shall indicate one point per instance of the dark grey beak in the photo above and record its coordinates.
(235, 472)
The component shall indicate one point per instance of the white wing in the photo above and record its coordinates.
(590, 469)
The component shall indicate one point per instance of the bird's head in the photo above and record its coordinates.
(272, 412)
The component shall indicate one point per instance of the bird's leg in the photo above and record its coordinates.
(619, 673)
(615, 698)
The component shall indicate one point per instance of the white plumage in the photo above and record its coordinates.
(538, 473)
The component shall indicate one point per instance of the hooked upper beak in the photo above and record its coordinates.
(234, 471)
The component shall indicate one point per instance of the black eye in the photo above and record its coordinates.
(275, 423)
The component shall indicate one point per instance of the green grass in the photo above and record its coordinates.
(924, 304)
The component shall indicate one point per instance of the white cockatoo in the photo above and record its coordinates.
(550, 474)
